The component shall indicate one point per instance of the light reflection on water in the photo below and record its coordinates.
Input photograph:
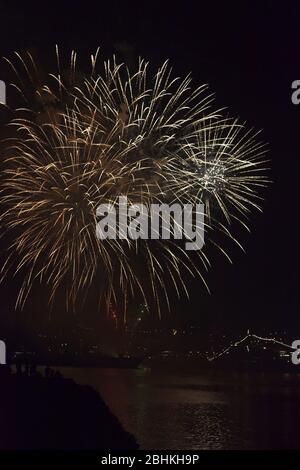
(204, 410)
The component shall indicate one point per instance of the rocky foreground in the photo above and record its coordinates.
(55, 413)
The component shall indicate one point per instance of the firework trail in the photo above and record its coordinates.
(81, 141)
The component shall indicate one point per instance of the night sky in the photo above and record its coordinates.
(248, 53)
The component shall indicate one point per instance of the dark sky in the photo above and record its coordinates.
(248, 52)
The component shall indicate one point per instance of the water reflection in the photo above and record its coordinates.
(167, 410)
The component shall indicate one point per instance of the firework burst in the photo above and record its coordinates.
(117, 133)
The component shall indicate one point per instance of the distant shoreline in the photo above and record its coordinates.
(62, 361)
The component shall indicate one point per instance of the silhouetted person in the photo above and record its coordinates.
(19, 367)
(33, 371)
(47, 371)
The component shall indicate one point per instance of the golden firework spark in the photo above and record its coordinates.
(153, 139)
